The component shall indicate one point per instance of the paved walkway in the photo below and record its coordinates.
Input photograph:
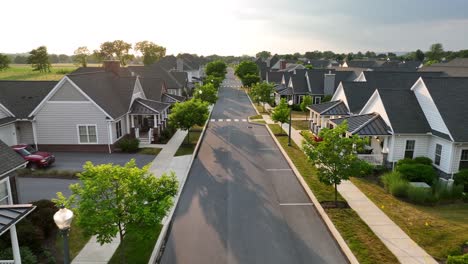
(395, 239)
(93, 252)
(162, 162)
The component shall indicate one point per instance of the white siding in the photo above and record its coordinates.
(456, 156)
(429, 108)
(8, 134)
(399, 145)
(67, 93)
(445, 158)
(124, 128)
(375, 105)
(25, 132)
(340, 95)
(57, 122)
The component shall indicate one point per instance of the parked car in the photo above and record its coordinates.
(36, 158)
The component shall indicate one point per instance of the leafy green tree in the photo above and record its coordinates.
(20, 59)
(250, 79)
(435, 53)
(206, 93)
(115, 200)
(245, 68)
(186, 114)
(81, 55)
(39, 59)
(335, 156)
(350, 56)
(4, 62)
(309, 67)
(263, 54)
(216, 68)
(281, 112)
(262, 92)
(327, 98)
(306, 101)
(151, 51)
(54, 58)
(419, 55)
(64, 58)
(216, 81)
(117, 49)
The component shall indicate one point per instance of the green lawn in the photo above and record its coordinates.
(299, 114)
(364, 244)
(188, 148)
(256, 117)
(137, 249)
(440, 229)
(300, 124)
(149, 151)
(76, 241)
(25, 72)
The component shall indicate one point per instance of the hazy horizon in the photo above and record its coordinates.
(237, 28)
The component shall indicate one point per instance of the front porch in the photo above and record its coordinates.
(376, 151)
(147, 120)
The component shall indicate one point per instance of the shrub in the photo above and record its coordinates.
(128, 144)
(395, 184)
(379, 169)
(420, 195)
(461, 178)
(27, 257)
(405, 161)
(417, 173)
(423, 160)
(42, 215)
(463, 259)
(363, 168)
(443, 192)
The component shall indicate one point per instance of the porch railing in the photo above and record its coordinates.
(150, 135)
(374, 159)
(7, 262)
(137, 132)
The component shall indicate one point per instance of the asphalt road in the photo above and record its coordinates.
(241, 202)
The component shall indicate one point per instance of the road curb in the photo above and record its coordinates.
(331, 227)
(162, 238)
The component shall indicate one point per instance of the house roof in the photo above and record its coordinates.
(455, 68)
(299, 83)
(12, 214)
(286, 91)
(357, 94)
(318, 64)
(316, 77)
(404, 112)
(9, 159)
(21, 97)
(149, 106)
(172, 98)
(274, 77)
(330, 108)
(168, 62)
(156, 71)
(409, 66)
(396, 79)
(365, 125)
(451, 96)
(364, 63)
(153, 88)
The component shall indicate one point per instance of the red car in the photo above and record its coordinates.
(36, 158)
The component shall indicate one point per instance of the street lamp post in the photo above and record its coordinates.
(290, 103)
(63, 219)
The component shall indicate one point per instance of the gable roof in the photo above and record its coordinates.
(330, 108)
(299, 83)
(168, 62)
(156, 71)
(318, 64)
(365, 125)
(451, 96)
(455, 68)
(9, 160)
(274, 77)
(357, 94)
(22, 97)
(364, 63)
(153, 88)
(396, 79)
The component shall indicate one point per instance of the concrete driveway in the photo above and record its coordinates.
(74, 161)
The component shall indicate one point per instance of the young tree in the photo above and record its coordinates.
(245, 68)
(306, 101)
(151, 51)
(216, 68)
(335, 156)
(216, 81)
(114, 199)
(281, 112)
(206, 93)
(261, 92)
(81, 56)
(250, 79)
(186, 114)
(39, 59)
(4, 62)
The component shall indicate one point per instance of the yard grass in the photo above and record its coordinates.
(300, 124)
(188, 148)
(364, 244)
(25, 72)
(149, 151)
(299, 114)
(138, 249)
(76, 241)
(440, 230)
(256, 117)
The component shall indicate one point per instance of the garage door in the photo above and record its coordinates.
(8, 134)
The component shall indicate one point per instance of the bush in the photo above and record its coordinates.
(463, 259)
(423, 160)
(443, 192)
(404, 162)
(64, 71)
(417, 173)
(27, 257)
(363, 169)
(128, 144)
(461, 178)
(395, 184)
(42, 215)
(420, 195)
(379, 169)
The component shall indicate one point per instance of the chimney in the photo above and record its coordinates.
(329, 83)
(180, 65)
(111, 66)
(283, 65)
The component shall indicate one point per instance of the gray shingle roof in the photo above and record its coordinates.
(153, 105)
(330, 108)
(21, 97)
(451, 97)
(364, 63)
(455, 68)
(153, 88)
(299, 83)
(156, 71)
(9, 159)
(12, 214)
(274, 77)
(396, 80)
(357, 94)
(318, 64)
(365, 125)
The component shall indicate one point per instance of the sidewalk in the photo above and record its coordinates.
(162, 162)
(395, 239)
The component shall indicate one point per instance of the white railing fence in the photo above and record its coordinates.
(7, 262)
(374, 159)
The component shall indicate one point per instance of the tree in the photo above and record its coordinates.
(263, 54)
(117, 49)
(435, 53)
(246, 67)
(216, 81)
(250, 79)
(350, 56)
(39, 59)
(4, 62)
(281, 112)
(216, 68)
(151, 51)
(206, 93)
(261, 92)
(20, 59)
(54, 58)
(419, 55)
(391, 55)
(335, 156)
(81, 56)
(114, 199)
(306, 101)
(186, 114)
(64, 58)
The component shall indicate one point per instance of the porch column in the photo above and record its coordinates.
(385, 145)
(155, 121)
(13, 236)
(33, 124)
(133, 120)
(127, 117)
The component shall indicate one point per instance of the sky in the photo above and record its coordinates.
(236, 27)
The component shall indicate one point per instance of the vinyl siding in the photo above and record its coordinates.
(399, 145)
(8, 134)
(57, 122)
(340, 95)
(375, 105)
(429, 108)
(114, 129)
(25, 133)
(67, 93)
(457, 155)
(445, 158)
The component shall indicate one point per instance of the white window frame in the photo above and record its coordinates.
(406, 148)
(319, 99)
(437, 156)
(87, 132)
(118, 122)
(462, 160)
(8, 196)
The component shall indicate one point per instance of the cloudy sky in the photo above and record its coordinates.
(236, 27)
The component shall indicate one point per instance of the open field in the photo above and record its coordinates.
(25, 72)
